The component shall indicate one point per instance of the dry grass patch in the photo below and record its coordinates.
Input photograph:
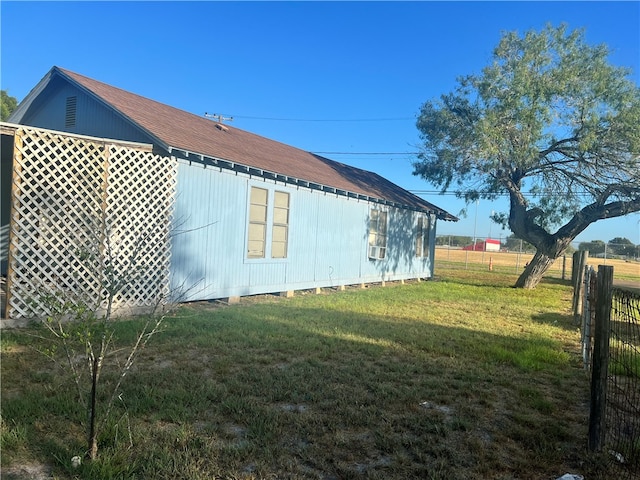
(513, 263)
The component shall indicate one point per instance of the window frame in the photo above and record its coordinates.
(279, 223)
(423, 231)
(254, 223)
(378, 237)
(275, 224)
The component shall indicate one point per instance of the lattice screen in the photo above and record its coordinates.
(85, 212)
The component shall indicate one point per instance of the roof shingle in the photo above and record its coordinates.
(185, 131)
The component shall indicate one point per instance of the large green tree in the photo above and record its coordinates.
(551, 124)
(622, 246)
(9, 104)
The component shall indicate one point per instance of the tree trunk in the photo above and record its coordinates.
(92, 452)
(534, 271)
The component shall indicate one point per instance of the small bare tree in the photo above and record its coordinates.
(80, 320)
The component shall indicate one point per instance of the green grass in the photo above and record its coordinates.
(463, 377)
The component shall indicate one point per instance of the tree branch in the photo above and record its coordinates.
(594, 212)
(555, 147)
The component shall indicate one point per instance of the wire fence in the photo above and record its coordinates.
(610, 325)
(622, 414)
(497, 256)
(596, 248)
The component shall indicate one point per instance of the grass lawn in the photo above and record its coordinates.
(459, 378)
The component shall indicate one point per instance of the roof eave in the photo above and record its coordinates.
(22, 108)
(221, 163)
(154, 138)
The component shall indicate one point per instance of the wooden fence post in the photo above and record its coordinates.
(564, 266)
(577, 276)
(600, 368)
(588, 312)
(575, 258)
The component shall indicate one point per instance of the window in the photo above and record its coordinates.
(257, 223)
(261, 217)
(377, 234)
(280, 225)
(422, 236)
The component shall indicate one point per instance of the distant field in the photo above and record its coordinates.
(627, 270)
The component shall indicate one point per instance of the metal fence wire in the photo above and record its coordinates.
(619, 435)
(622, 412)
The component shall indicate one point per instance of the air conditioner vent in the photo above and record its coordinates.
(70, 112)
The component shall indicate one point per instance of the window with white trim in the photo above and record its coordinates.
(422, 236)
(377, 234)
(257, 237)
(268, 224)
(280, 232)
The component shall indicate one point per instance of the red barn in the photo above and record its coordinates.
(488, 245)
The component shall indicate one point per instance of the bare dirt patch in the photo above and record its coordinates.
(29, 471)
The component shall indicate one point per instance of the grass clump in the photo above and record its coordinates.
(464, 377)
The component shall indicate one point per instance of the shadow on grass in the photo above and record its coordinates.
(556, 281)
(564, 321)
(482, 277)
(339, 388)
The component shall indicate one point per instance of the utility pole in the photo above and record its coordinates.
(475, 226)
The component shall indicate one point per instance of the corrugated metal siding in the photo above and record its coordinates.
(341, 239)
(328, 239)
(209, 230)
(303, 242)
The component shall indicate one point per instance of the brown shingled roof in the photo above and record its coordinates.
(181, 130)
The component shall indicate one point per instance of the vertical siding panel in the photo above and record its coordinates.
(353, 241)
(187, 268)
(402, 242)
(269, 275)
(207, 246)
(341, 240)
(303, 233)
(328, 239)
(225, 248)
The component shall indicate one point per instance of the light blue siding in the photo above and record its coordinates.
(328, 239)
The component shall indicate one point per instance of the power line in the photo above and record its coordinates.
(502, 194)
(367, 153)
(277, 119)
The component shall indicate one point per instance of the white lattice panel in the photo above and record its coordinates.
(139, 206)
(79, 205)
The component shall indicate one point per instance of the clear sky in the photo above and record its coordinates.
(346, 77)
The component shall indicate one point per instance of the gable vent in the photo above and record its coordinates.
(70, 112)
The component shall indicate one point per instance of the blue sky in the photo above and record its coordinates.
(345, 77)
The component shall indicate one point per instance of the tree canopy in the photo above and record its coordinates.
(9, 104)
(551, 124)
(594, 247)
(622, 246)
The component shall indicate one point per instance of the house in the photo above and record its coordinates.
(488, 245)
(249, 215)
